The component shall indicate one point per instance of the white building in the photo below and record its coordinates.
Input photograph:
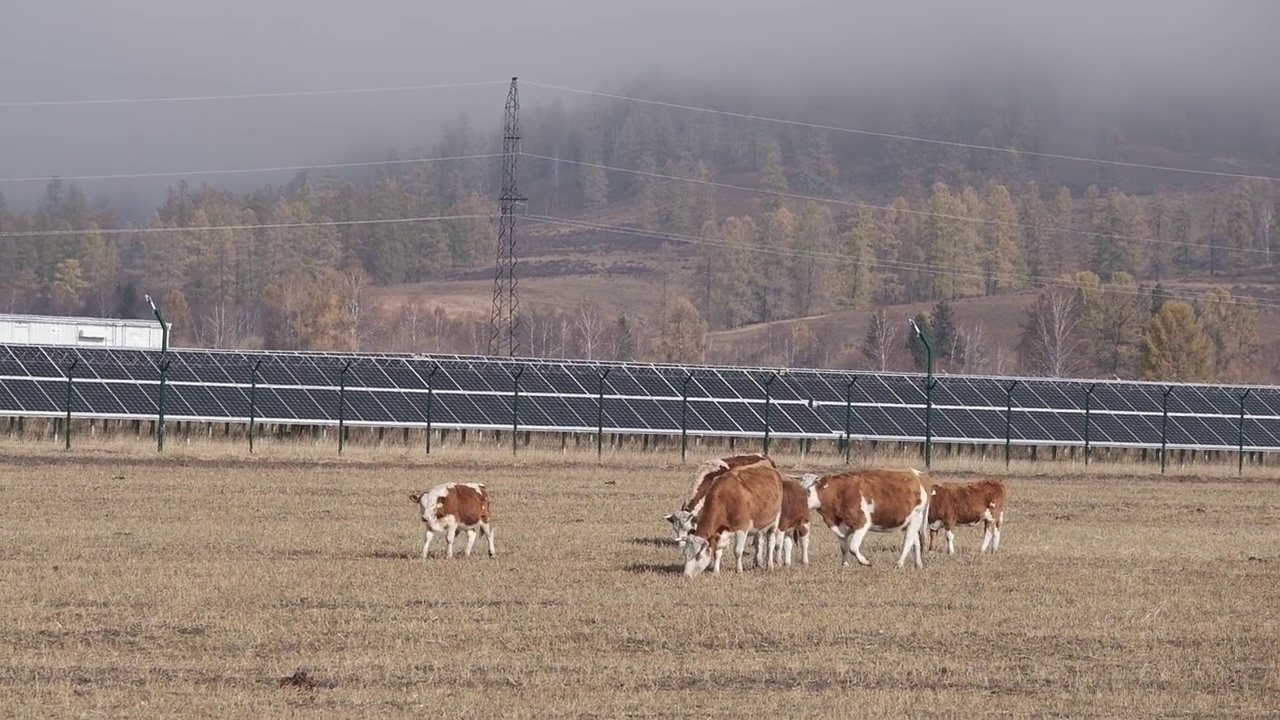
(80, 331)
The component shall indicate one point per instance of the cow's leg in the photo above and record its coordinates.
(995, 540)
(471, 540)
(785, 547)
(739, 547)
(804, 546)
(855, 544)
(450, 532)
(427, 545)
(772, 534)
(911, 537)
(718, 555)
(951, 542)
(988, 534)
(488, 535)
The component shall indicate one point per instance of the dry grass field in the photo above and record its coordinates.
(205, 584)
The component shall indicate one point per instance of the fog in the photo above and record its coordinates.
(90, 50)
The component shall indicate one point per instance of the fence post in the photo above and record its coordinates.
(515, 407)
(1240, 434)
(600, 378)
(253, 400)
(1164, 426)
(431, 391)
(66, 431)
(1088, 400)
(848, 413)
(768, 386)
(342, 405)
(928, 393)
(684, 416)
(1008, 421)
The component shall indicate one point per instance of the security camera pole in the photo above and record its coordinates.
(928, 393)
(164, 371)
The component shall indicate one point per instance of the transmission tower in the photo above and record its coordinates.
(505, 323)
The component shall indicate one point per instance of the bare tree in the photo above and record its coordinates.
(971, 343)
(1050, 343)
(590, 326)
(356, 313)
(881, 340)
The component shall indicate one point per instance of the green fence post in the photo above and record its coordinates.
(515, 407)
(684, 416)
(1008, 421)
(848, 416)
(1088, 400)
(431, 390)
(768, 387)
(1164, 426)
(600, 378)
(342, 405)
(1240, 434)
(253, 400)
(164, 372)
(66, 431)
(928, 394)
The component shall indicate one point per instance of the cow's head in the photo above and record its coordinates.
(698, 554)
(682, 521)
(809, 481)
(417, 500)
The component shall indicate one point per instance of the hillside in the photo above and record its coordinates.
(710, 223)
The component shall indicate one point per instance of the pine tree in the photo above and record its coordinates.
(1064, 244)
(1175, 347)
(1183, 260)
(1004, 266)
(773, 179)
(1034, 218)
(860, 242)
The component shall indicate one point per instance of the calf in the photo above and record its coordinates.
(742, 500)
(685, 519)
(793, 525)
(880, 500)
(450, 507)
(954, 504)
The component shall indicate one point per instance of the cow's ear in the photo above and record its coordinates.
(415, 497)
(668, 516)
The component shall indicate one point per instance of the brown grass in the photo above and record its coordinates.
(207, 584)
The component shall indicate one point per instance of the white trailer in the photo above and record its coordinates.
(80, 331)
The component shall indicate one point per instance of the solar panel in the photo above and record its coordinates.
(471, 391)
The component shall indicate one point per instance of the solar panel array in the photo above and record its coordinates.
(452, 391)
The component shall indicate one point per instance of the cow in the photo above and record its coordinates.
(684, 519)
(953, 504)
(450, 507)
(794, 523)
(742, 500)
(880, 500)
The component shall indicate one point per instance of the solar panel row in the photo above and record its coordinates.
(477, 392)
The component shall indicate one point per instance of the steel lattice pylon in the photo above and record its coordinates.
(505, 322)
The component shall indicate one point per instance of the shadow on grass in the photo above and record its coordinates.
(393, 555)
(654, 568)
(654, 542)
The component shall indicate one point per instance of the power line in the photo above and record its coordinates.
(899, 136)
(245, 171)
(248, 96)
(264, 226)
(926, 268)
(905, 211)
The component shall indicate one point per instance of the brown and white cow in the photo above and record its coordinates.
(875, 500)
(794, 523)
(685, 519)
(450, 507)
(953, 504)
(741, 501)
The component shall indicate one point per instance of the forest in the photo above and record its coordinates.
(1123, 269)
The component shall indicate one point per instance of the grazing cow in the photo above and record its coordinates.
(450, 507)
(953, 504)
(794, 523)
(742, 500)
(880, 500)
(684, 519)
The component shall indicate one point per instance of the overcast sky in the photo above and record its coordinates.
(89, 49)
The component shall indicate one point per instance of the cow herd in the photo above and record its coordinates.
(740, 498)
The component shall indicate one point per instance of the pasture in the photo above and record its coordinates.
(203, 583)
